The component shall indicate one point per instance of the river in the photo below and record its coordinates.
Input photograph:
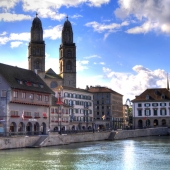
(146, 153)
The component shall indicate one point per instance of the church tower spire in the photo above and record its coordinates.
(36, 48)
(67, 59)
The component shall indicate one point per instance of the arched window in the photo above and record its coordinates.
(61, 67)
(37, 64)
(69, 65)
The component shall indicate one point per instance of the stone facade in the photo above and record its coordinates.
(107, 107)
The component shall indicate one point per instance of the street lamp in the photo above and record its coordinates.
(60, 103)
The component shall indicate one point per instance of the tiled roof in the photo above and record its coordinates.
(51, 74)
(155, 94)
(100, 89)
(24, 79)
(75, 89)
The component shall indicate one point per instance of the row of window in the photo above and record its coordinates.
(80, 111)
(57, 119)
(77, 102)
(107, 101)
(24, 95)
(56, 110)
(26, 114)
(78, 96)
(82, 119)
(153, 104)
(147, 112)
(101, 95)
(103, 107)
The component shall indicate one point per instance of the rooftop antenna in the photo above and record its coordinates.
(36, 14)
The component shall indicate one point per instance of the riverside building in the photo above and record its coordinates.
(24, 102)
(152, 108)
(108, 110)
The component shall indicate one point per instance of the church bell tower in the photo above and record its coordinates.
(36, 48)
(67, 57)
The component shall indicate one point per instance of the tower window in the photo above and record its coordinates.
(69, 65)
(69, 54)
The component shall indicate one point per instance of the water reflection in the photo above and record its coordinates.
(132, 154)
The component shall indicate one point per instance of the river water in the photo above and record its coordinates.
(146, 153)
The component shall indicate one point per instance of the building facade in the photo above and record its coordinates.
(25, 101)
(81, 107)
(108, 104)
(152, 108)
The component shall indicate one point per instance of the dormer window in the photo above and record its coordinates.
(163, 96)
(156, 92)
(147, 97)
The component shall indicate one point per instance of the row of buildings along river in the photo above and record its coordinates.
(36, 100)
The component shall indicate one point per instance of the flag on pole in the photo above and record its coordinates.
(103, 117)
(23, 115)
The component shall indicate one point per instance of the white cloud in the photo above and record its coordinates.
(16, 44)
(76, 16)
(25, 36)
(50, 8)
(102, 63)
(53, 33)
(150, 15)
(8, 17)
(4, 33)
(92, 56)
(130, 84)
(52, 63)
(105, 27)
(82, 65)
(7, 4)
(97, 3)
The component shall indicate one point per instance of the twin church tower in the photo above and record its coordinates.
(67, 56)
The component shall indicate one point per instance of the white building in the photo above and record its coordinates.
(152, 108)
(81, 111)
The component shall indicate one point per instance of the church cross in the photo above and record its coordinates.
(67, 17)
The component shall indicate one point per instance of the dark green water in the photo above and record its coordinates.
(147, 153)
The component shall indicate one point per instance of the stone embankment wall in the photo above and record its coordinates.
(56, 139)
(17, 142)
(124, 134)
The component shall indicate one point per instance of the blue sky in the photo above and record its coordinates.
(121, 44)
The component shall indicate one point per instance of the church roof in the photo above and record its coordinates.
(24, 79)
(51, 74)
(67, 23)
(36, 22)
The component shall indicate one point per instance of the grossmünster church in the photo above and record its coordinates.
(67, 56)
